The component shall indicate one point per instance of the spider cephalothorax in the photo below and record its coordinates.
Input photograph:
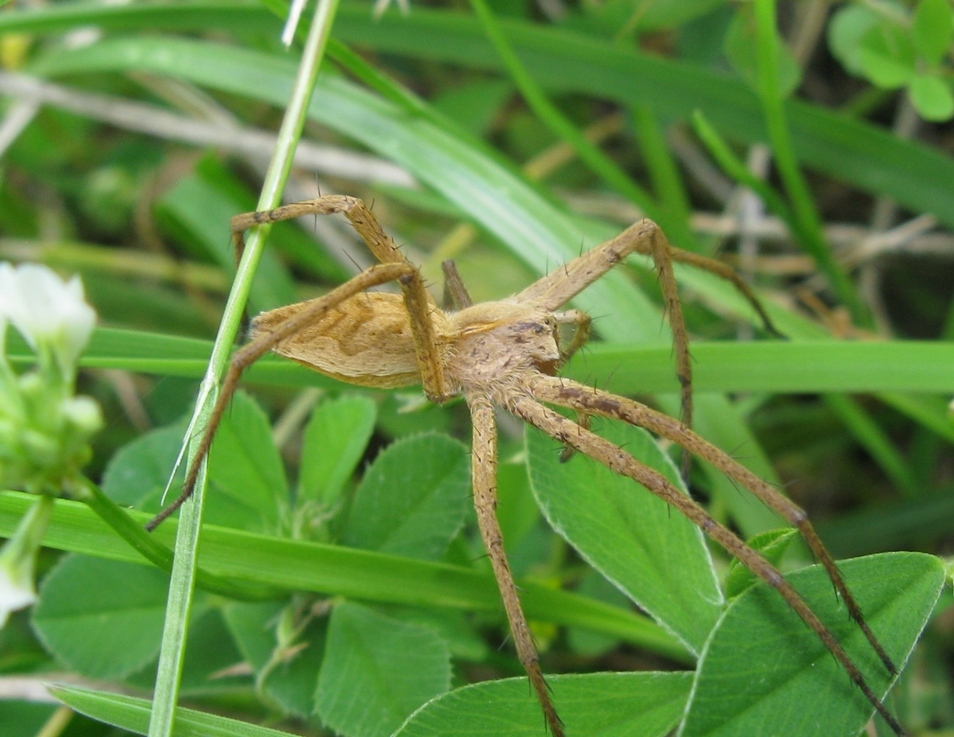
(497, 343)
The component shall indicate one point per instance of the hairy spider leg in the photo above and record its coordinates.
(586, 399)
(395, 268)
(484, 474)
(646, 238)
(456, 295)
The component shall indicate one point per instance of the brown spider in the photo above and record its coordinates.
(506, 354)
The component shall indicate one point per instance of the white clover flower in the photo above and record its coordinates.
(83, 413)
(44, 430)
(18, 559)
(16, 588)
(50, 313)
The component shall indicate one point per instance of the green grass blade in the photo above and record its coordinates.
(784, 367)
(360, 574)
(802, 203)
(132, 713)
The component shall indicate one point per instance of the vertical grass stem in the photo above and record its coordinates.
(802, 203)
(184, 567)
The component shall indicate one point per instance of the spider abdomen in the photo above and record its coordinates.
(365, 340)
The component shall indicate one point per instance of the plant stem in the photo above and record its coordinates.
(736, 169)
(802, 204)
(663, 170)
(184, 568)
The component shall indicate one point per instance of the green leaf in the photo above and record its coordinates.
(456, 629)
(209, 664)
(887, 56)
(253, 627)
(586, 642)
(290, 680)
(595, 705)
(245, 470)
(332, 569)
(932, 97)
(140, 470)
(932, 29)
(848, 27)
(412, 499)
(764, 672)
(334, 442)
(649, 551)
(101, 618)
(376, 671)
(772, 544)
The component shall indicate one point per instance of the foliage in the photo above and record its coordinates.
(342, 586)
(894, 46)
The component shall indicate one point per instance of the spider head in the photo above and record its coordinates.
(498, 341)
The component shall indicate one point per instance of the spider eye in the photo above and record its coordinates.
(549, 325)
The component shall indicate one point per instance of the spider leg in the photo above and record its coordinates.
(587, 399)
(644, 237)
(583, 419)
(393, 267)
(380, 243)
(616, 459)
(484, 470)
(416, 297)
(717, 268)
(251, 352)
(456, 296)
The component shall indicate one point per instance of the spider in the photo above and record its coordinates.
(506, 354)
